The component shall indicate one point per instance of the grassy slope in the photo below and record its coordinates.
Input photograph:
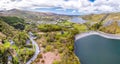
(97, 17)
(6, 29)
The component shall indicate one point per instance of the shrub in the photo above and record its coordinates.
(56, 62)
(48, 48)
(42, 61)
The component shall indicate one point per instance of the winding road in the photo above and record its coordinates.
(37, 50)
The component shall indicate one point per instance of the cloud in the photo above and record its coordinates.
(83, 6)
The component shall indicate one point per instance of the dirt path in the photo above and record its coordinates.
(49, 58)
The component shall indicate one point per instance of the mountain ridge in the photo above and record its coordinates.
(33, 16)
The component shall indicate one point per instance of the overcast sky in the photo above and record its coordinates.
(71, 7)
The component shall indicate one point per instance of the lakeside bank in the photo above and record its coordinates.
(105, 35)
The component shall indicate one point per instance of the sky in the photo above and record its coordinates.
(69, 7)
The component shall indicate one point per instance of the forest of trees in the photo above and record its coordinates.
(17, 23)
(16, 52)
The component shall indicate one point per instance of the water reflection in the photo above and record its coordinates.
(78, 20)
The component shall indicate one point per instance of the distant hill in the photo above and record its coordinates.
(34, 16)
(47, 17)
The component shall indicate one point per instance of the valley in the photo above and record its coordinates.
(54, 34)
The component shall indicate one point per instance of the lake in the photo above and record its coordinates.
(95, 49)
(78, 20)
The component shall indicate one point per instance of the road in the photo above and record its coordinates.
(37, 50)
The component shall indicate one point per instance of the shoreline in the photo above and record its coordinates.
(102, 34)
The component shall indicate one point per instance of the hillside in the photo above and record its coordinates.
(98, 17)
(6, 28)
(13, 41)
(34, 16)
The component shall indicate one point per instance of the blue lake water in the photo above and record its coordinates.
(78, 20)
(95, 49)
